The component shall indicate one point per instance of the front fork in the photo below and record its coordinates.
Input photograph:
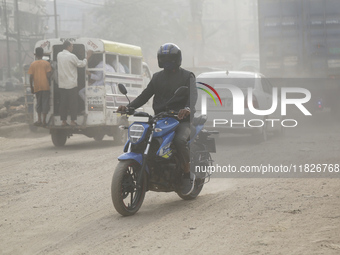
(145, 156)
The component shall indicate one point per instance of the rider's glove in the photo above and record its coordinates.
(121, 108)
(183, 113)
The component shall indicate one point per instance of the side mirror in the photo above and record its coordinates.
(181, 91)
(122, 89)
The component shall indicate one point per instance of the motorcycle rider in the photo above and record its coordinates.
(163, 85)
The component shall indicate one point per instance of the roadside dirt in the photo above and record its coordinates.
(12, 108)
(57, 201)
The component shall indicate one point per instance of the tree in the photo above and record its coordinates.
(147, 23)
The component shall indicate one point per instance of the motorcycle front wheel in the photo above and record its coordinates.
(127, 196)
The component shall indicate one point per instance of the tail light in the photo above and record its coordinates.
(255, 103)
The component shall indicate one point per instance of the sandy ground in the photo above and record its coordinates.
(57, 201)
(10, 95)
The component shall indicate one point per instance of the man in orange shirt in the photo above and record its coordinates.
(40, 71)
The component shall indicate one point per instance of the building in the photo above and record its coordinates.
(229, 30)
(73, 17)
(31, 20)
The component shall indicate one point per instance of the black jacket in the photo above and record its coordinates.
(163, 86)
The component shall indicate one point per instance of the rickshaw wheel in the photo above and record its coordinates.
(59, 137)
(99, 137)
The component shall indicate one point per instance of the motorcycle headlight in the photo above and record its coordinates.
(136, 132)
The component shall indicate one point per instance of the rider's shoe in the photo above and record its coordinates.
(188, 181)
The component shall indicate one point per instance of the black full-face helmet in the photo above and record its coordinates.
(169, 54)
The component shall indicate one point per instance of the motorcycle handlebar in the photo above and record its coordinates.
(131, 111)
(128, 111)
(168, 113)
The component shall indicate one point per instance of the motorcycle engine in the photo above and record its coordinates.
(165, 174)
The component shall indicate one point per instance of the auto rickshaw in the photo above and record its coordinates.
(97, 115)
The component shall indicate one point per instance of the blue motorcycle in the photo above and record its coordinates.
(150, 161)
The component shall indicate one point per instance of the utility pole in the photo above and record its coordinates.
(7, 41)
(55, 19)
(18, 36)
(196, 29)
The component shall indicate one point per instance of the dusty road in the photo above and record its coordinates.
(57, 201)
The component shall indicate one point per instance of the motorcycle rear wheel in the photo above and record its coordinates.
(199, 183)
(127, 198)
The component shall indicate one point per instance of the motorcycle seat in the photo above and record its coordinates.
(200, 120)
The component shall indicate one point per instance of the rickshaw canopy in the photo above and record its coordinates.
(94, 44)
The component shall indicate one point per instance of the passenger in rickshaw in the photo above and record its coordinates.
(97, 77)
(40, 71)
(121, 68)
(68, 81)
